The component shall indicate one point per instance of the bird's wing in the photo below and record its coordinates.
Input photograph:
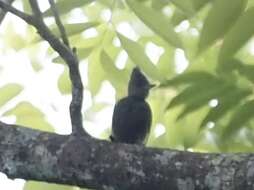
(131, 120)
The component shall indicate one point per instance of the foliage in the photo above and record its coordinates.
(206, 107)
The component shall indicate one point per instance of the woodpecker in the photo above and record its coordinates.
(132, 116)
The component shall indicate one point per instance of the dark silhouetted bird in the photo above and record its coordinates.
(132, 115)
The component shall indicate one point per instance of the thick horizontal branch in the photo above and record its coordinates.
(34, 155)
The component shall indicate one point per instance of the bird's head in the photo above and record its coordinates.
(139, 86)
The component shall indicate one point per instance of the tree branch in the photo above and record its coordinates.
(33, 155)
(36, 9)
(65, 52)
(2, 12)
(59, 23)
(8, 8)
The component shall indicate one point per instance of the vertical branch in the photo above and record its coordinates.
(59, 23)
(36, 9)
(77, 86)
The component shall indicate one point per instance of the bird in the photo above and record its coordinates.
(132, 116)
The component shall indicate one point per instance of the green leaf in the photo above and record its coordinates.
(32, 185)
(196, 92)
(8, 92)
(96, 74)
(177, 17)
(27, 7)
(12, 39)
(65, 6)
(165, 64)
(220, 18)
(232, 65)
(229, 66)
(240, 33)
(64, 83)
(226, 103)
(119, 78)
(195, 6)
(82, 53)
(189, 78)
(108, 3)
(71, 30)
(77, 28)
(250, 4)
(156, 21)
(138, 56)
(198, 4)
(28, 115)
(203, 98)
(88, 42)
(247, 71)
(241, 116)
(159, 4)
(185, 6)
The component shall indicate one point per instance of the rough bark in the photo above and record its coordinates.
(86, 162)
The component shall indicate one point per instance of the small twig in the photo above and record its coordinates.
(3, 13)
(36, 9)
(59, 23)
(65, 52)
(8, 8)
